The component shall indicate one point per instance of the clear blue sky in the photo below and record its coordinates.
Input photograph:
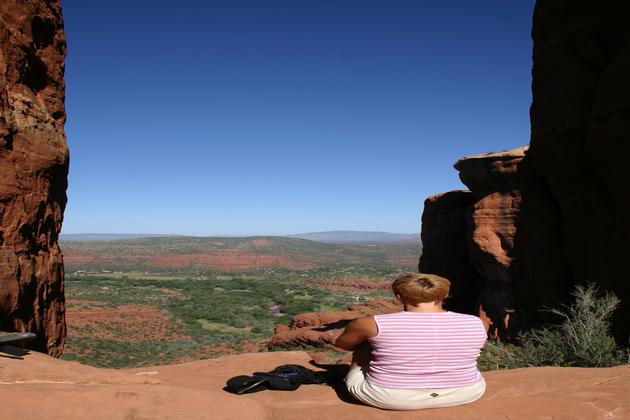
(274, 117)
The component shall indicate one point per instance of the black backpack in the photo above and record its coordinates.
(282, 378)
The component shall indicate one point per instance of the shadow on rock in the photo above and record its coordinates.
(12, 352)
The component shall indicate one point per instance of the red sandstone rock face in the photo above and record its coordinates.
(320, 319)
(493, 180)
(34, 167)
(468, 237)
(42, 387)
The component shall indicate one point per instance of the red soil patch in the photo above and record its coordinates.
(221, 260)
(124, 323)
(72, 304)
(354, 285)
(232, 260)
(82, 259)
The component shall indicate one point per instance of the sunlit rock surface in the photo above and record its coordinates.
(33, 170)
(468, 237)
(40, 386)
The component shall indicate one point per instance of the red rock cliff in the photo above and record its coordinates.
(576, 188)
(558, 216)
(34, 167)
(468, 237)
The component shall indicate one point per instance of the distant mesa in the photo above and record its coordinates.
(232, 254)
(357, 237)
(70, 237)
(328, 237)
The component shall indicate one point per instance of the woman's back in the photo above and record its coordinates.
(414, 350)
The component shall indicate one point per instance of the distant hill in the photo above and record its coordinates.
(358, 237)
(234, 254)
(106, 236)
(328, 237)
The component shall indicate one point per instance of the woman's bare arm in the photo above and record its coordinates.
(356, 333)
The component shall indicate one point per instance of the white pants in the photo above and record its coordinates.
(410, 399)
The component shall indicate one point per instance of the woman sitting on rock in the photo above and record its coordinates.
(422, 357)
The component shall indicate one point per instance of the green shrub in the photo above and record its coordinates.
(582, 338)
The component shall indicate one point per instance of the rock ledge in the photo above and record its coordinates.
(41, 386)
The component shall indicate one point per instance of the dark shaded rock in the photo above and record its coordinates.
(445, 247)
(34, 167)
(575, 226)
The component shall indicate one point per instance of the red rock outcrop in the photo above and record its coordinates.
(43, 387)
(34, 167)
(445, 247)
(558, 216)
(493, 180)
(321, 329)
(468, 237)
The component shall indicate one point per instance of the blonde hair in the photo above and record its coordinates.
(418, 288)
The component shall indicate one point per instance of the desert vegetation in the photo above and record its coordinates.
(582, 338)
(120, 313)
(215, 255)
(128, 304)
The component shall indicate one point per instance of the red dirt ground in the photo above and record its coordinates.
(228, 261)
(124, 323)
(248, 346)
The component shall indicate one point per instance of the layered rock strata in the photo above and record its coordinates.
(34, 168)
(494, 182)
(468, 237)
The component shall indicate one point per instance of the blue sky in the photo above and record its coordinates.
(276, 117)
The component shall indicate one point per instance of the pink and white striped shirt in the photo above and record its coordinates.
(415, 350)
